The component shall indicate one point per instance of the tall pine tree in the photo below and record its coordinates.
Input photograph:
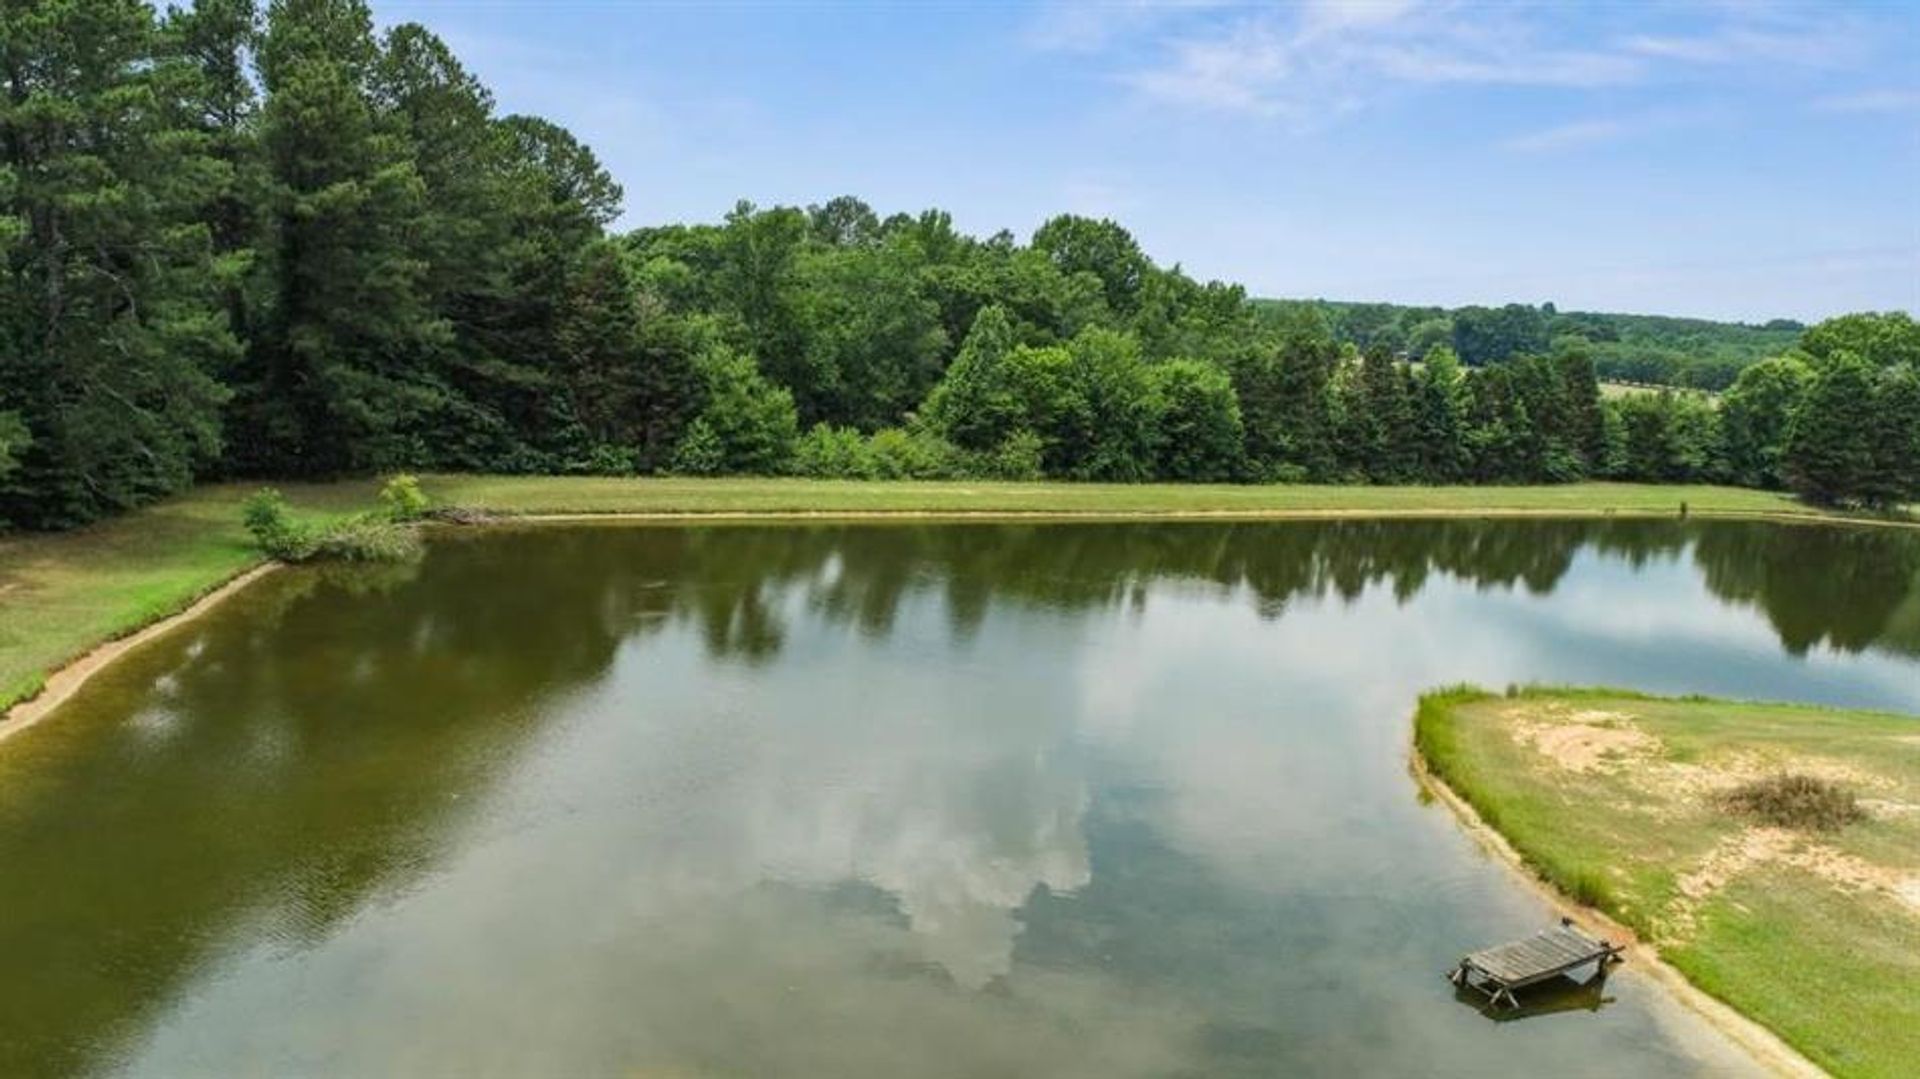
(109, 327)
(342, 367)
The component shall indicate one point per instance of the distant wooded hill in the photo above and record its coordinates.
(1691, 352)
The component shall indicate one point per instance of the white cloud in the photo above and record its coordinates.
(1333, 57)
(1323, 57)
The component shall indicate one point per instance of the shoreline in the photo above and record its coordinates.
(492, 517)
(1766, 1049)
(63, 681)
(67, 679)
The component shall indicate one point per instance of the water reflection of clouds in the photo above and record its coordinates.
(720, 813)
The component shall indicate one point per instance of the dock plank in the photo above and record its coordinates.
(1519, 963)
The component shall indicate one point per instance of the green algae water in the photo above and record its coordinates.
(867, 800)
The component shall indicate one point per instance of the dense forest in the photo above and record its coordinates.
(1656, 350)
(273, 242)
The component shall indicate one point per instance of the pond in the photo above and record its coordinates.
(867, 799)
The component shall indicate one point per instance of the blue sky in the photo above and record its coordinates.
(1736, 160)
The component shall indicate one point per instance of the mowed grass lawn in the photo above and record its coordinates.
(1618, 799)
(60, 595)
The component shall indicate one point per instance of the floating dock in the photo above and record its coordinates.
(1498, 971)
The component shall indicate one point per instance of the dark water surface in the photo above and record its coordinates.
(866, 800)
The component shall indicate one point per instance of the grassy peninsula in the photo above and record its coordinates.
(1672, 817)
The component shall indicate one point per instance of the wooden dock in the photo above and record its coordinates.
(1498, 971)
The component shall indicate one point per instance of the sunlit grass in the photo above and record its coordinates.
(1834, 968)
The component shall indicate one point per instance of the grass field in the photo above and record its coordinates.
(1618, 800)
(62, 594)
(597, 494)
(1630, 389)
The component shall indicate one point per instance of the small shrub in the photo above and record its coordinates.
(403, 499)
(700, 452)
(899, 454)
(369, 537)
(832, 453)
(1791, 800)
(270, 521)
(1017, 458)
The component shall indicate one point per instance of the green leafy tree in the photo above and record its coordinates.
(1116, 436)
(1881, 339)
(1200, 434)
(1755, 415)
(1483, 335)
(747, 425)
(1101, 248)
(874, 343)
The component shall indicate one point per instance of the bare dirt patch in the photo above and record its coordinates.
(1755, 847)
(1585, 741)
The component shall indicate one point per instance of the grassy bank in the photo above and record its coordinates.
(1623, 802)
(595, 494)
(63, 594)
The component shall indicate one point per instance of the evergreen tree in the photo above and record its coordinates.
(1829, 455)
(974, 406)
(1438, 433)
(213, 42)
(110, 332)
(1896, 437)
(1386, 452)
(343, 373)
(1585, 428)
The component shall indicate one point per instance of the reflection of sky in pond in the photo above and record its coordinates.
(1137, 829)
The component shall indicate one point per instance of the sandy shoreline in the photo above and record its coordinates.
(67, 680)
(1763, 1046)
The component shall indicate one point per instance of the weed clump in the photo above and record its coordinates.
(1792, 800)
(385, 536)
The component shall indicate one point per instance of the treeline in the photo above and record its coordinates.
(244, 242)
(1653, 349)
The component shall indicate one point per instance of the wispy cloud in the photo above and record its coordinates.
(1331, 57)
(1326, 57)
(1885, 100)
(1565, 136)
(1608, 129)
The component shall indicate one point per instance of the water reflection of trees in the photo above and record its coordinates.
(285, 760)
(306, 750)
(1850, 589)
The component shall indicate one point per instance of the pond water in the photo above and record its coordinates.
(867, 800)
